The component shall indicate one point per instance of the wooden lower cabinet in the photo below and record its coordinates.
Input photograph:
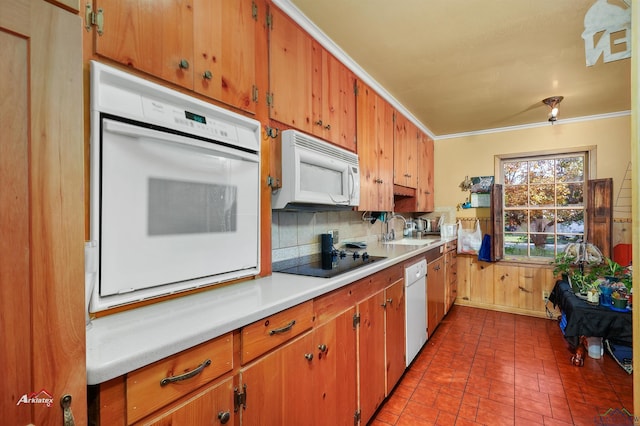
(371, 362)
(211, 406)
(435, 294)
(381, 341)
(309, 381)
(451, 275)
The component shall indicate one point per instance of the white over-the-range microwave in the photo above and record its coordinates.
(316, 175)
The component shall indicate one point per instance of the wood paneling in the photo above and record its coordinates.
(42, 227)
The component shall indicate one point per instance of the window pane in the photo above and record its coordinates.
(542, 195)
(571, 221)
(570, 194)
(515, 196)
(516, 221)
(541, 171)
(570, 169)
(515, 173)
(515, 244)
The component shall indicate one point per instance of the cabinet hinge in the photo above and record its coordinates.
(273, 183)
(355, 87)
(356, 417)
(240, 398)
(356, 320)
(93, 18)
(254, 93)
(269, 18)
(269, 99)
(254, 11)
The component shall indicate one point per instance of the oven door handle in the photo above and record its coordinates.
(137, 132)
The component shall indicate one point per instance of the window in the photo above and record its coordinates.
(544, 203)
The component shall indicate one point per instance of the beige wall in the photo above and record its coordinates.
(474, 156)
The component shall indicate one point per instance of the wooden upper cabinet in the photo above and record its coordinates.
(290, 63)
(375, 150)
(425, 189)
(334, 100)
(224, 44)
(203, 45)
(405, 167)
(154, 37)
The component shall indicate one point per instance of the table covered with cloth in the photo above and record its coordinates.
(585, 319)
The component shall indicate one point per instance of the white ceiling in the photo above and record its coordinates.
(466, 66)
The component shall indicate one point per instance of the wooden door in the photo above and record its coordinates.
(400, 151)
(600, 215)
(384, 152)
(367, 148)
(224, 46)
(208, 407)
(338, 103)
(279, 385)
(42, 221)
(335, 371)
(154, 37)
(395, 333)
(435, 294)
(425, 190)
(371, 362)
(290, 72)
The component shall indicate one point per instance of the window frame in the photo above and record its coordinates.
(589, 152)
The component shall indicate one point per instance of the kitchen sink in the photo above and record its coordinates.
(413, 241)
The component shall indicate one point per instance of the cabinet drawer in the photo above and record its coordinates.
(451, 245)
(152, 387)
(266, 334)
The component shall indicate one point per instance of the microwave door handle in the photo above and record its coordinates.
(352, 183)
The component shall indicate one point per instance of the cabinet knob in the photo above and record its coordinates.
(322, 347)
(328, 127)
(389, 301)
(308, 356)
(319, 123)
(207, 75)
(184, 64)
(224, 417)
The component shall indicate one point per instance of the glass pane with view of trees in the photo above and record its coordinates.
(543, 204)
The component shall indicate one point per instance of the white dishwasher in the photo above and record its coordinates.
(415, 281)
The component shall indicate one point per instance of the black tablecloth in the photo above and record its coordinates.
(584, 319)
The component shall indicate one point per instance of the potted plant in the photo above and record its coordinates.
(563, 266)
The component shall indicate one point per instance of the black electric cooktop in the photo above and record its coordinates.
(325, 265)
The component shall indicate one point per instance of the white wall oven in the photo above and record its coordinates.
(175, 194)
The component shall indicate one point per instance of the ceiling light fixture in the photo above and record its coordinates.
(553, 102)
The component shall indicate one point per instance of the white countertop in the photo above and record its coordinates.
(122, 342)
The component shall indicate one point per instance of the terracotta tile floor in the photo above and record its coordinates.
(491, 368)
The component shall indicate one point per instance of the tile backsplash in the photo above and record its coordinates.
(295, 234)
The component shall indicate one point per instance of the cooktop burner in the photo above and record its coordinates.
(325, 265)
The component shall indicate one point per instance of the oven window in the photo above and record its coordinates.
(180, 207)
(320, 179)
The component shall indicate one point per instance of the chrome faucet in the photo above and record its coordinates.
(391, 235)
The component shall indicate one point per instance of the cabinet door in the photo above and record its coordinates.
(280, 385)
(405, 170)
(290, 74)
(371, 362)
(425, 184)
(375, 150)
(395, 333)
(41, 181)
(224, 46)
(212, 406)
(435, 294)
(154, 37)
(338, 109)
(334, 389)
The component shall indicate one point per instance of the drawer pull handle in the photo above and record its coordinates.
(186, 376)
(282, 329)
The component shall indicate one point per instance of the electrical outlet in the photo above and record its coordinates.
(335, 235)
(545, 295)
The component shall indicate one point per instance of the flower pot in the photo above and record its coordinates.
(619, 303)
